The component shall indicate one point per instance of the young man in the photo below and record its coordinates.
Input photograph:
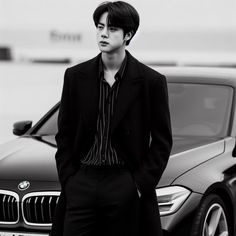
(114, 136)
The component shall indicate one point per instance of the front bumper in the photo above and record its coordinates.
(21, 233)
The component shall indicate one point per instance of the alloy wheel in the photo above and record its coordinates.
(215, 223)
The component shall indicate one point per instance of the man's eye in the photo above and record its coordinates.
(113, 29)
(100, 27)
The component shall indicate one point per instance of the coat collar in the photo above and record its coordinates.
(128, 91)
(90, 69)
(129, 87)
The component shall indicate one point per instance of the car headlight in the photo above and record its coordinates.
(170, 199)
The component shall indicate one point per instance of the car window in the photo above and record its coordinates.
(50, 126)
(200, 109)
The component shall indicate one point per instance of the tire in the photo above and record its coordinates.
(211, 218)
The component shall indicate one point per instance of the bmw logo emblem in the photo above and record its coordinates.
(23, 185)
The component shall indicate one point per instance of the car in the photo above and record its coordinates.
(197, 191)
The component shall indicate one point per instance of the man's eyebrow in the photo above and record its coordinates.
(110, 25)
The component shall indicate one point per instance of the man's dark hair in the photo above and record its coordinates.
(120, 14)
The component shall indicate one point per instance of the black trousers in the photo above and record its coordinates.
(101, 201)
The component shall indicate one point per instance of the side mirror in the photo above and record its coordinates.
(21, 127)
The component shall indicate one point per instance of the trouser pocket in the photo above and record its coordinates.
(135, 184)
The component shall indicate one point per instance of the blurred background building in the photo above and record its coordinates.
(170, 29)
(39, 39)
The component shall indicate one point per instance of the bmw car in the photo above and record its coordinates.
(197, 191)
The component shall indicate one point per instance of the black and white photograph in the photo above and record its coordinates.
(117, 118)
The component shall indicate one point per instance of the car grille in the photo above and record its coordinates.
(9, 207)
(38, 208)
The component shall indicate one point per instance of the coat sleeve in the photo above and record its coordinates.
(155, 161)
(64, 136)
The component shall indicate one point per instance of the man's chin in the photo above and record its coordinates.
(105, 50)
(109, 51)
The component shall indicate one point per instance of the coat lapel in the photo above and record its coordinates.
(128, 91)
(89, 92)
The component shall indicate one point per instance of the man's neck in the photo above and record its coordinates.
(113, 61)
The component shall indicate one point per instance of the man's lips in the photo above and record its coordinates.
(103, 42)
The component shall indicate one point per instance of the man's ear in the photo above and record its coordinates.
(128, 36)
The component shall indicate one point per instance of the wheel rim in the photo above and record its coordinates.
(215, 223)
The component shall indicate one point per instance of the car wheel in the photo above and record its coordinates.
(211, 218)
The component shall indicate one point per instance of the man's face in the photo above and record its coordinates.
(110, 39)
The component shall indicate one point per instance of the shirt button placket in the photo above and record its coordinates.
(103, 158)
(103, 149)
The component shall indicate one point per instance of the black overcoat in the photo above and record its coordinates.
(140, 131)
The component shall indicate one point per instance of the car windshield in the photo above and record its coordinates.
(197, 110)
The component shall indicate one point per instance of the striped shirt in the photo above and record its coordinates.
(102, 153)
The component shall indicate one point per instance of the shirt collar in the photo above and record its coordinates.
(119, 73)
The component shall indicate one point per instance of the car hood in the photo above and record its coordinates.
(33, 158)
(29, 158)
(187, 153)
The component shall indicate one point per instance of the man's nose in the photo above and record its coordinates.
(105, 32)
